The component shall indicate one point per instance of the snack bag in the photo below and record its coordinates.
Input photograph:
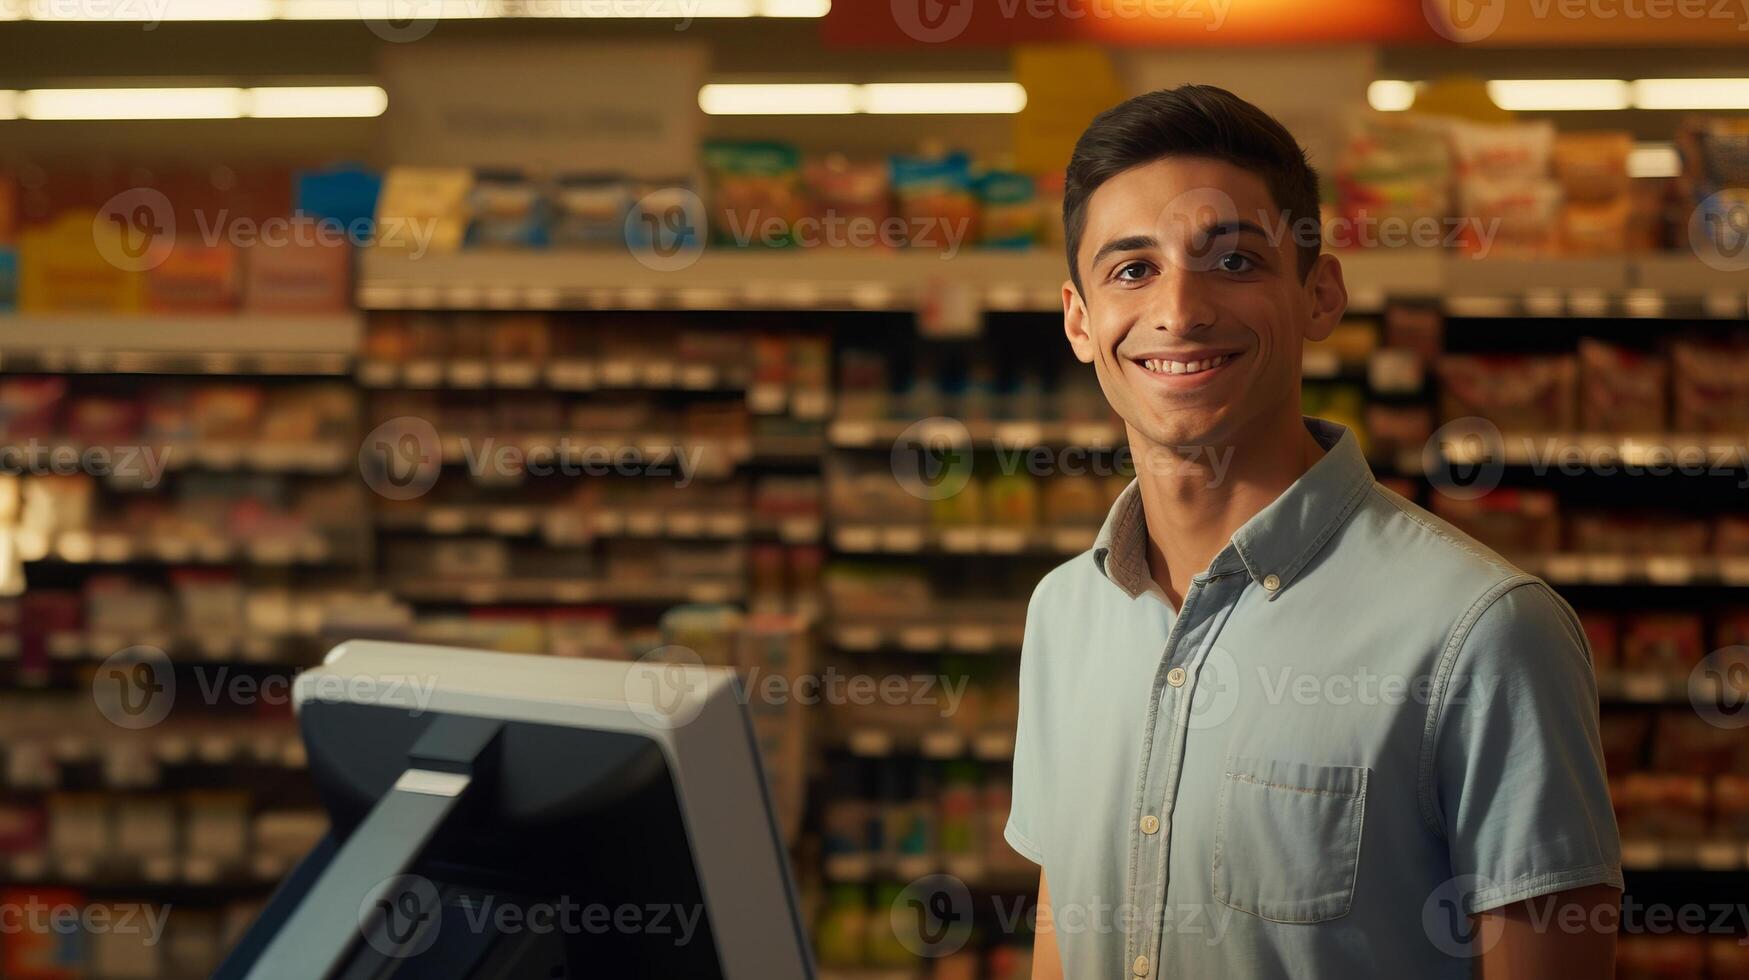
(1621, 390)
(937, 199)
(755, 192)
(1516, 393)
(1009, 214)
(849, 202)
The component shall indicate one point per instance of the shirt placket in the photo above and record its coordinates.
(1205, 607)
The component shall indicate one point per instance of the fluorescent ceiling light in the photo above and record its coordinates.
(212, 102)
(243, 10)
(1654, 160)
(1691, 93)
(980, 98)
(839, 99)
(131, 103)
(1390, 95)
(778, 100)
(1559, 94)
(317, 102)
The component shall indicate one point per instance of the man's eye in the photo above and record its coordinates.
(1131, 271)
(1235, 262)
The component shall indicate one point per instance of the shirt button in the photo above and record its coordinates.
(1140, 966)
(1272, 582)
(1175, 677)
(1150, 824)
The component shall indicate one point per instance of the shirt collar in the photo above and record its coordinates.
(1275, 544)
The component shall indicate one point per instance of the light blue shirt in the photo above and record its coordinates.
(1361, 727)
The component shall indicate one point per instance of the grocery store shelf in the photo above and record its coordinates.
(134, 458)
(120, 547)
(563, 591)
(924, 638)
(1695, 855)
(568, 525)
(904, 539)
(852, 433)
(559, 374)
(213, 343)
(1560, 451)
(1662, 285)
(1652, 687)
(945, 743)
(1573, 568)
(974, 872)
(204, 647)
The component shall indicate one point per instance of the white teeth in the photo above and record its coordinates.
(1160, 366)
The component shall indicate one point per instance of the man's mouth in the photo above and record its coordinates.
(1161, 365)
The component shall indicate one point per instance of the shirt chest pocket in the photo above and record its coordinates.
(1287, 838)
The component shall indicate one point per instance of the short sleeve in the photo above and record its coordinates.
(1029, 789)
(1518, 782)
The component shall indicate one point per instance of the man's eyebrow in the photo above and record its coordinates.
(1129, 243)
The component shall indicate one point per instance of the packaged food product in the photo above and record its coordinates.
(1669, 642)
(1391, 166)
(1731, 534)
(303, 273)
(1596, 229)
(1501, 151)
(506, 209)
(1601, 635)
(1503, 186)
(1526, 393)
(31, 406)
(1008, 214)
(1593, 166)
(1710, 387)
(1621, 390)
(848, 201)
(1633, 533)
(1660, 806)
(1049, 188)
(1731, 806)
(8, 277)
(589, 210)
(424, 207)
(936, 198)
(1731, 629)
(1511, 521)
(1687, 743)
(1624, 739)
(196, 277)
(755, 192)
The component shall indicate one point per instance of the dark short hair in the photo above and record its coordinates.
(1193, 121)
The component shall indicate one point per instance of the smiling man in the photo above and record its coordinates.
(1281, 722)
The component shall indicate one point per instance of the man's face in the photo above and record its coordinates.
(1192, 310)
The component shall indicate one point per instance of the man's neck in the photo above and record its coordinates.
(1194, 506)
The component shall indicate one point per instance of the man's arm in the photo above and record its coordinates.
(1047, 961)
(1568, 934)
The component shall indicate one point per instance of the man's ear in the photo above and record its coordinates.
(1075, 323)
(1329, 297)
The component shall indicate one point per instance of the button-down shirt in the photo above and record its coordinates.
(1360, 728)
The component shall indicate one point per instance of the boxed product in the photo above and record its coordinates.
(79, 264)
(1593, 166)
(1687, 743)
(1503, 185)
(1660, 806)
(754, 190)
(1511, 521)
(1391, 166)
(590, 210)
(937, 198)
(195, 277)
(508, 210)
(1518, 393)
(1008, 216)
(849, 200)
(1711, 387)
(305, 272)
(1670, 642)
(32, 949)
(342, 197)
(424, 208)
(1621, 390)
